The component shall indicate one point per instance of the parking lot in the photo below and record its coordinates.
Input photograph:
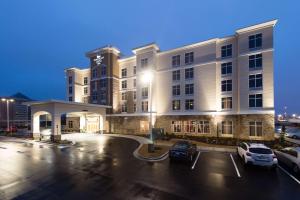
(104, 168)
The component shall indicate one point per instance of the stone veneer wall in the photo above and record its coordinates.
(131, 125)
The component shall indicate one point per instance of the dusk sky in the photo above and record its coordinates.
(39, 39)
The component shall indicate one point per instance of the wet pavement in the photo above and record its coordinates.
(103, 167)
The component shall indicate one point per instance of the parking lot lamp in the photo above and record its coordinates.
(7, 111)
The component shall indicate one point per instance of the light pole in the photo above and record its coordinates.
(147, 78)
(7, 111)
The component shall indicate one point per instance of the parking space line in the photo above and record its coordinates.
(196, 160)
(236, 169)
(290, 175)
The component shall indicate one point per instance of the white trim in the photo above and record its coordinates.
(257, 26)
(64, 102)
(259, 51)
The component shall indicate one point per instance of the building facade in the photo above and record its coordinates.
(222, 87)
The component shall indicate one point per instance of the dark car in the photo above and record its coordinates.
(183, 150)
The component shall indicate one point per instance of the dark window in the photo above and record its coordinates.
(134, 94)
(255, 100)
(85, 90)
(189, 58)
(189, 73)
(255, 128)
(70, 98)
(226, 51)
(124, 96)
(144, 62)
(227, 103)
(255, 61)
(226, 85)
(94, 73)
(134, 82)
(176, 104)
(176, 61)
(145, 92)
(176, 75)
(134, 70)
(255, 41)
(189, 104)
(94, 96)
(226, 68)
(255, 81)
(103, 96)
(70, 79)
(227, 127)
(70, 90)
(103, 83)
(144, 106)
(124, 73)
(260, 150)
(189, 89)
(176, 90)
(124, 107)
(103, 70)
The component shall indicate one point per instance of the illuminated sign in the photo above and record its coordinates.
(98, 60)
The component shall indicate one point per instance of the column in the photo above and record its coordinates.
(56, 127)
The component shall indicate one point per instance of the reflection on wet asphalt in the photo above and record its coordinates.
(104, 168)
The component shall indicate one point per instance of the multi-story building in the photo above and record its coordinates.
(220, 87)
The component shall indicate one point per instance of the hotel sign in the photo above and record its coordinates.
(98, 59)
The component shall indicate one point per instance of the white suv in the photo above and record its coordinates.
(257, 154)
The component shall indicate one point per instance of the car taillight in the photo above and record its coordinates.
(248, 154)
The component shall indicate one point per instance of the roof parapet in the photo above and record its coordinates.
(271, 23)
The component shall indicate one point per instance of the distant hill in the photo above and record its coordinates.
(20, 96)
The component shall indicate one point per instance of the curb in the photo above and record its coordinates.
(151, 159)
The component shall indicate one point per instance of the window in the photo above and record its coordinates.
(176, 75)
(134, 107)
(124, 107)
(176, 105)
(227, 127)
(144, 106)
(190, 126)
(189, 89)
(227, 103)
(94, 73)
(203, 127)
(255, 100)
(176, 90)
(70, 98)
(176, 61)
(123, 95)
(189, 58)
(94, 84)
(255, 81)
(189, 73)
(103, 70)
(134, 82)
(70, 79)
(134, 94)
(124, 73)
(70, 124)
(176, 126)
(145, 92)
(85, 90)
(226, 85)
(144, 62)
(103, 96)
(226, 51)
(70, 90)
(255, 41)
(103, 83)
(255, 62)
(255, 128)
(189, 104)
(134, 70)
(85, 80)
(94, 96)
(124, 84)
(226, 68)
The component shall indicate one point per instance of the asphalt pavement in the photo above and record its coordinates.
(103, 167)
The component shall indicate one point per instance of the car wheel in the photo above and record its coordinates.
(294, 137)
(295, 168)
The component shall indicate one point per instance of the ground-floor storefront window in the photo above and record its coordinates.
(227, 127)
(192, 126)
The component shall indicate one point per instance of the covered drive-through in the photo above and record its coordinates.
(91, 116)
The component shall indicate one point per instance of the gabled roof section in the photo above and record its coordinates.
(102, 50)
(271, 23)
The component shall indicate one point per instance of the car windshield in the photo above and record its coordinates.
(181, 146)
(260, 150)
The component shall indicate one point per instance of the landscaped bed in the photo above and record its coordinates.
(159, 151)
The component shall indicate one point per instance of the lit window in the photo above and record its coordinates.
(189, 104)
(226, 51)
(190, 126)
(227, 127)
(203, 127)
(227, 103)
(70, 124)
(144, 106)
(255, 41)
(176, 126)
(255, 128)
(176, 105)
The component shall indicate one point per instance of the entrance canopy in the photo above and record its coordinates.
(56, 108)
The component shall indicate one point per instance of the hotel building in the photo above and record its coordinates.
(222, 87)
